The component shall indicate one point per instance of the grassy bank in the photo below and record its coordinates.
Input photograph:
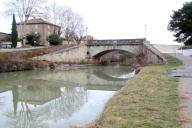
(148, 100)
(21, 60)
(26, 54)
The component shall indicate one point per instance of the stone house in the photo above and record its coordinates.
(3, 37)
(38, 25)
(88, 38)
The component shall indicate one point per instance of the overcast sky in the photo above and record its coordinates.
(119, 19)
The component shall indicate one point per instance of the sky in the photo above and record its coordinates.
(119, 19)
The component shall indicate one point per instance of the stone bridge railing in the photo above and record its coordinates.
(116, 42)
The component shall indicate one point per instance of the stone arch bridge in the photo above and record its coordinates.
(92, 50)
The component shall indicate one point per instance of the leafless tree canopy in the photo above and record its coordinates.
(72, 25)
(24, 9)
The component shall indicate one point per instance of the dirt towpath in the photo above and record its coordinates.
(185, 90)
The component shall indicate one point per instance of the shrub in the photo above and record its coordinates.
(54, 39)
(8, 38)
(33, 38)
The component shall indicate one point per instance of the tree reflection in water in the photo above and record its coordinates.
(70, 101)
(1, 102)
(26, 118)
(46, 98)
(35, 105)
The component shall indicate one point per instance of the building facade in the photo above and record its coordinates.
(38, 25)
(4, 43)
(3, 36)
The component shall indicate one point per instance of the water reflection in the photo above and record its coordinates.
(56, 99)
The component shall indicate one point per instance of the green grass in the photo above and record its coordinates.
(149, 100)
(186, 47)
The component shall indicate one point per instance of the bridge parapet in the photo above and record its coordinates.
(93, 50)
(116, 42)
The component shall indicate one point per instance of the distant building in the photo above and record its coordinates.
(6, 45)
(38, 25)
(88, 38)
(3, 36)
(4, 40)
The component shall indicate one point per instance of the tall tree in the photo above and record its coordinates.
(14, 35)
(181, 24)
(24, 9)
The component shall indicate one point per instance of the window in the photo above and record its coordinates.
(48, 27)
(48, 33)
(36, 26)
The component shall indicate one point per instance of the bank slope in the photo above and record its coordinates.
(149, 100)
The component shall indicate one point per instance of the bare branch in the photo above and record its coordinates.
(72, 26)
(24, 9)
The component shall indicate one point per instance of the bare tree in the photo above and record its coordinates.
(72, 25)
(52, 12)
(24, 9)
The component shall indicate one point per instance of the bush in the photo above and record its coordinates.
(54, 39)
(8, 38)
(33, 38)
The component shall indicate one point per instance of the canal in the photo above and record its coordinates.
(58, 99)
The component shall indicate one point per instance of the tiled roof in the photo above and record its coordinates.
(39, 21)
(88, 37)
(4, 33)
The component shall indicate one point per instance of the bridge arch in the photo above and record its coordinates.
(101, 53)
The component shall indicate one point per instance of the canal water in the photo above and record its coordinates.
(58, 99)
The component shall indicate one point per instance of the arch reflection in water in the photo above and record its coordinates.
(56, 99)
